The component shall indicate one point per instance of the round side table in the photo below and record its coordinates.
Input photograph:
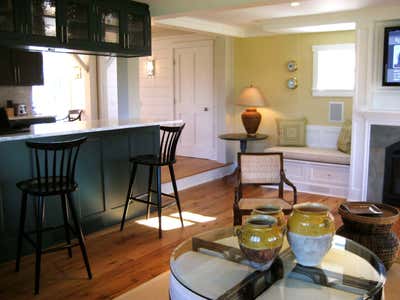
(243, 138)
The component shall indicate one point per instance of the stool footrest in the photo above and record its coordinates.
(59, 248)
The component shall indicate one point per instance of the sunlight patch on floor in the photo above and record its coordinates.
(173, 221)
(168, 223)
(194, 217)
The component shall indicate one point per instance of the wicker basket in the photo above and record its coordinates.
(373, 232)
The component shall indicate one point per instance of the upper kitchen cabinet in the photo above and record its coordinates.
(108, 21)
(42, 18)
(117, 27)
(77, 21)
(136, 29)
(20, 67)
(11, 20)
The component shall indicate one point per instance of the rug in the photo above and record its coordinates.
(158, 287)
(154, 289)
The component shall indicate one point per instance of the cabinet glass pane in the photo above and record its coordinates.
(7, 15)
(44, 17)
(77, 20)
(109, 26)
(136, 26)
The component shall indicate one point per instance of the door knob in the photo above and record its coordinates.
(205, 109)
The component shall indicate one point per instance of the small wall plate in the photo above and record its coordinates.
(292, 83)
(292, 66)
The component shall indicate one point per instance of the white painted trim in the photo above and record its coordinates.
(198, 179)
(332, 93)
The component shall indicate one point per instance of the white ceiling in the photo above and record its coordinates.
(244, 18)
(247, 16)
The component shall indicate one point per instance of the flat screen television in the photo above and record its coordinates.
(391, 57)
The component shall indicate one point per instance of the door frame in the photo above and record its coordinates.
(192, 44)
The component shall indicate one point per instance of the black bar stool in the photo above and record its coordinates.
(55, 175)
(166, 156)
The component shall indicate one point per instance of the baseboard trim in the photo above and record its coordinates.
(197, 179)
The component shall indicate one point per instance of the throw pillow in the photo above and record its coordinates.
(291, 132)
(344, 140)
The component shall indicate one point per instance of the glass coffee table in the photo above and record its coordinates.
(211, 266)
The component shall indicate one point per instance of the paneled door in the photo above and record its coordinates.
(194, 98)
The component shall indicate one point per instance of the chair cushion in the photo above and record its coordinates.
(251, 203)
(291, 132)
(344, 140)
(330, 156)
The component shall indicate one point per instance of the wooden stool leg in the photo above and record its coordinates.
(171, 171)
(39, 225)
(128, 195)
(149, 191)
(22, 218)
(66, 225)
(159, 200)
(79, 233)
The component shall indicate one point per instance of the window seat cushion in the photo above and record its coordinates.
(330, 156)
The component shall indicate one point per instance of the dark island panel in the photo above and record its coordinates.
(102, 174)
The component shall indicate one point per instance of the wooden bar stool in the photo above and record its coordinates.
(55, 175)
(166, 156)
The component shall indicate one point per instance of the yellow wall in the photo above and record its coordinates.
(262, 62)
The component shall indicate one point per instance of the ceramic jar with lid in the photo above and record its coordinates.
(310, 232)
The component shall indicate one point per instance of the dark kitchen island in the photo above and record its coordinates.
(102, 175)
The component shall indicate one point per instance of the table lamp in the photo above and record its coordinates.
(251, 97)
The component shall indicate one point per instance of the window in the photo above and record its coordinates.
(64, 86)
(334, 70)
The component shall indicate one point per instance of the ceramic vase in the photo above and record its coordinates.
(274, 211)
(260, 240)
(310, 232)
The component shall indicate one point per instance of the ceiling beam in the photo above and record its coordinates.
(173, 8)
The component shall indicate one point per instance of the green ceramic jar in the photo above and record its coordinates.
(260, 240)
(310, 231)
(271, 210)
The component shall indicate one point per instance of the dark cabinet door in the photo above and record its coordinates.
(109, 35)
(8, 72)
(78, 23)
(29, 67)
(42, 24)
(137, 29)
(11, 19)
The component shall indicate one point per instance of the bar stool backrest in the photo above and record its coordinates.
(55, 162)
(169, 141)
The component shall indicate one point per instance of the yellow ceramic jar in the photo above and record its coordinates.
(260, 240)
(310, 231)
(271, 210)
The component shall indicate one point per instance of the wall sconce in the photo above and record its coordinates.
(150, 68)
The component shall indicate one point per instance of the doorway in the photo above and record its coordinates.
(194, 98)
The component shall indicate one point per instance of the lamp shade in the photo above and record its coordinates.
(251, 97)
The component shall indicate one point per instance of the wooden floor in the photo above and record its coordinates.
(188, 166)
(123, 260)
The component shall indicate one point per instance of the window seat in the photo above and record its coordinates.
(321, 155)
(316, 170)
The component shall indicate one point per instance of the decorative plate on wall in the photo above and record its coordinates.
(292, 66)
(292, 83)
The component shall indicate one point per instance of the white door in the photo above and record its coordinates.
(194, 99)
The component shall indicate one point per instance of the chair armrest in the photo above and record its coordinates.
(238, 193)
(289, 183)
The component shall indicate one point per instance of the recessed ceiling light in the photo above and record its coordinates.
(294, 4)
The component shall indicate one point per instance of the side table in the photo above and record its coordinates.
(243, 138)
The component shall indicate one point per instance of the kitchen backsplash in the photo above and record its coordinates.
(18, 94)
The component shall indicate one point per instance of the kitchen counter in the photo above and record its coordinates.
(82, 127)
(102, 173)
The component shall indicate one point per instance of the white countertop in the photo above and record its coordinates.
(81, 127)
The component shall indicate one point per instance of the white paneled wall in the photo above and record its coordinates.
(157, 93)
